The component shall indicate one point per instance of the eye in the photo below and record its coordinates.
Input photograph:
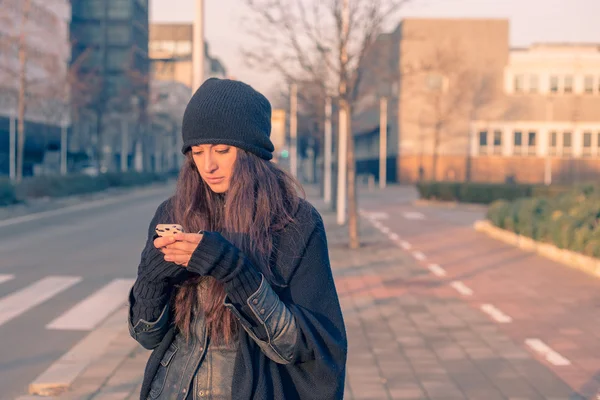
(223, 151)
(197, 153)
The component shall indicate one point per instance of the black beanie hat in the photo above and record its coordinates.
(224, 111)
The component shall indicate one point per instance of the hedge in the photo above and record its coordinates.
(69, 185)
(570, 220)
(483, 193)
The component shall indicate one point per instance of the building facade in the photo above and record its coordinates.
(46, 77)
(110, 56)
(171, 54)
(463, 105)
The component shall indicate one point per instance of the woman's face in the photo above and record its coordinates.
(215, 164)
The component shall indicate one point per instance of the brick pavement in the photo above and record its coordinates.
(407, 338)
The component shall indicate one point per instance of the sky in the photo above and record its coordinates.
(530, 21)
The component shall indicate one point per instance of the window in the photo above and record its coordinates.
(497, 142)
(483, 142)
(118, 34)
(554, 84)
(567, 143)
(588, 84)
(533, 83)
(587, 144)
(435, 82)
(519, 83)
(553, 143)
(184, 48)
(518, 142)
(119, 9)
(568, 84)
(531, 143)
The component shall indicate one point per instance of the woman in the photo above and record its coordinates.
(247, 307)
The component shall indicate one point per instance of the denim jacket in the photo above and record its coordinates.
(269, 323)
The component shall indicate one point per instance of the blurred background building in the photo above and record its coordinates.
(171, 85)
(463, 104)
(110, 60)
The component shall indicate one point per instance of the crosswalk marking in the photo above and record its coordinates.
(87, 314)
(61, 374)
(19, 302)
(6, 277)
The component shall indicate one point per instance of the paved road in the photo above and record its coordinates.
(547, 310)
(51, 265)
(433, 309)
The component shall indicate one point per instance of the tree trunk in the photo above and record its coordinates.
(352, 199)
(22, 90)
(436, 147)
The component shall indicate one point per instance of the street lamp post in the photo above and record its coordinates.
(198, 46)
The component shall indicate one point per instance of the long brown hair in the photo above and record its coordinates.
(261, 200)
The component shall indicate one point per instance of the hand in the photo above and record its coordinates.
(178, 248)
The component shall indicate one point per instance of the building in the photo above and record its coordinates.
(170, 50)
(463, 105)
(110, 57)
(554, 133)
(171, 54)
(46, 106)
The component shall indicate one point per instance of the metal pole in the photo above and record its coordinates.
(343, 122)
(198, 46)
(124, 144)
(13, 147)
(548, 161)
(383, 143)
(63, 147)
(342, 167)
(294, 130)
(328, 151)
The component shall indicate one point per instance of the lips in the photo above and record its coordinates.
(215, 180)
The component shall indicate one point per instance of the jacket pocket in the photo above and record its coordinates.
(158, 382)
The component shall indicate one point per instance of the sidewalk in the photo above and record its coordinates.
(406, 341)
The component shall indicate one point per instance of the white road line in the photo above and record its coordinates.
(551, 356)
(419, 256)
(34, 294)
(414, 215)
(377, 216)
(437, 270)
(405, 245)
(461, 288)
(385, 229)
(6, 277)
(88, 313)
(496, 314)
(60, 375)
(393, 236)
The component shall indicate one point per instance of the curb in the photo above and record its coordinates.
(589, 265)
(449, 205)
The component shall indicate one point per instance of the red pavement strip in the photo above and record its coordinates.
(551, 309)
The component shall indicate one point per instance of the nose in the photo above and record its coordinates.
(210, 164)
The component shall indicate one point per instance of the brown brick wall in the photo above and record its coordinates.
(497, 169)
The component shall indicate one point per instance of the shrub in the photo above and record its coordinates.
(484, 193)
(61, 186)
(8, 195)
(569, 220)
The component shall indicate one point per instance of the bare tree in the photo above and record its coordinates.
(452, 96)
(321, 42)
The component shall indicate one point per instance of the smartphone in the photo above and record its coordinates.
(168, 229)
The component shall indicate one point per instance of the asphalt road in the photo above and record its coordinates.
(53, 265)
